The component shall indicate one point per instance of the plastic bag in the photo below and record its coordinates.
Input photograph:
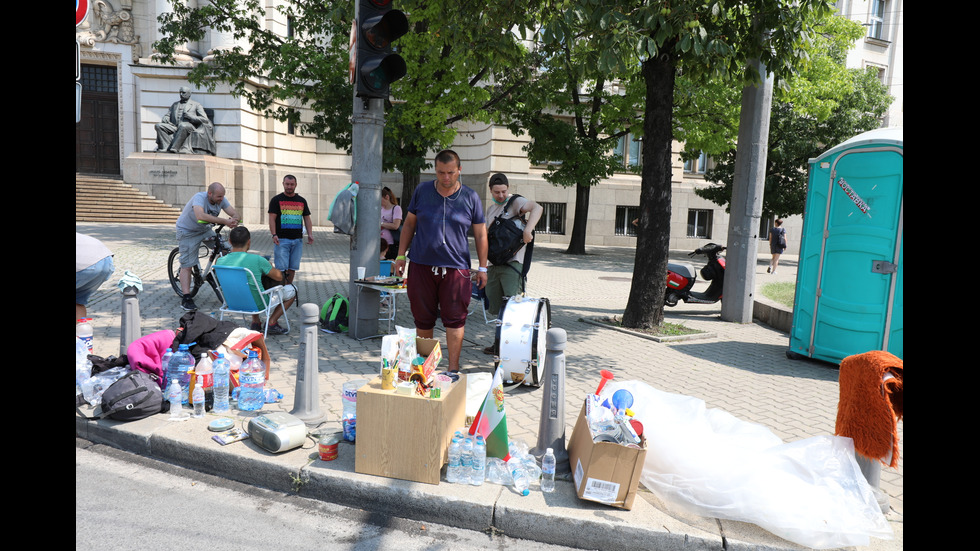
(83, 367)
(93, 387)
(709, 463)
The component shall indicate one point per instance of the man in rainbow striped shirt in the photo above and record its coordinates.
(288, 213)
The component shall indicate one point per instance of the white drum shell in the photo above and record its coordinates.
(521, 339)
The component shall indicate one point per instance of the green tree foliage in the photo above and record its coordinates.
(704, 41)
(462, 58)
(574, 115)
(820, 107)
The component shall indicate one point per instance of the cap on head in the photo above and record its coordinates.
(499, 179)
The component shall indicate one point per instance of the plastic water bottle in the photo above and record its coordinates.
(251, 378)
(165, 363)
(85, 331)
(479, 462)
(173, 396)
(466, 461)
(181, 363)
(222, 374)
(452, 471)
(197, 398)
(517, 472)
(548, 465)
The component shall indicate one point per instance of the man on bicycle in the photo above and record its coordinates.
(194, 226)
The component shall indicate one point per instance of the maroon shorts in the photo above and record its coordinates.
(438, 292)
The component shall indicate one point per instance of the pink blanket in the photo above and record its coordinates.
(146, 354)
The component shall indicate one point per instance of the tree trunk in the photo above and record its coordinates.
(576, 245)
(645, 307)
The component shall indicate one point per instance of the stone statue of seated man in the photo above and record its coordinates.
(186, 127)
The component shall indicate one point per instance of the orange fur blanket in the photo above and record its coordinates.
(871, 404)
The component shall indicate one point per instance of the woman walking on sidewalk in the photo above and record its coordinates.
(777, 244)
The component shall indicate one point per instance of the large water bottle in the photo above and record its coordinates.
(181, 364)
(222, 374)
(251, 379)
(173, 396)
(466, 461)
(548, 465)
(517, 472)
(452, 471)
(479, 461)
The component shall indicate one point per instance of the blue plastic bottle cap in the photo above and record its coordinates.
(219, 425)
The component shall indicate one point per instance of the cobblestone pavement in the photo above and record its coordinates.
(742, 369)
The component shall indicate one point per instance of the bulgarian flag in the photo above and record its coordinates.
(491, 421)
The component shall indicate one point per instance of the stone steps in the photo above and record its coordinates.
(107, 199)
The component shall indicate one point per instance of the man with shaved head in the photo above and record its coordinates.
(194, 226)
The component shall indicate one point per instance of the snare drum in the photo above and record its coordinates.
(520, 344)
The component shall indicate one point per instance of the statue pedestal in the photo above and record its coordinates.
(174, 178)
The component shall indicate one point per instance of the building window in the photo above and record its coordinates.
(628, 150)
(99, 78)
(624, 220)
(765, 223)
(552, 219)
(699, 223)
(876, 21)
(696, 166)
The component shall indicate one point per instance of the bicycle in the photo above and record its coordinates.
(199, 276)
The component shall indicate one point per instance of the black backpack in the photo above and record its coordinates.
(505, 236)
(135, 395)
(334, 314)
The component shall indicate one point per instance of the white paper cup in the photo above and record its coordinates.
(361, 272)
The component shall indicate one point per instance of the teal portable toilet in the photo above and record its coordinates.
(849, 282)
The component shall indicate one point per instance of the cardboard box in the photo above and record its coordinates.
(432, 350)
(406, 436)
(605, 472)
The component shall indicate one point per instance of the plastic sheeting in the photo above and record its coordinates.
(709, 463)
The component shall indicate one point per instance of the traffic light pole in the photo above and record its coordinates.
(376, 67)
(365, 245)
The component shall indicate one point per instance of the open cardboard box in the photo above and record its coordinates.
(432, 350)
(605, 472)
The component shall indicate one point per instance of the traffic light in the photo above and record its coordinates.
(377, 67)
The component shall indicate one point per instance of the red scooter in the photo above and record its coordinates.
(681, 278)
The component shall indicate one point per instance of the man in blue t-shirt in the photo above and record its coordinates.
(439, 216)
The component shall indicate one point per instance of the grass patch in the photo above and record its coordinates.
(663, 330)
(780, 292)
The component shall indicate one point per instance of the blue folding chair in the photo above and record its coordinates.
(237, 284)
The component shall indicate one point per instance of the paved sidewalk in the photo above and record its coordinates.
(742, 370)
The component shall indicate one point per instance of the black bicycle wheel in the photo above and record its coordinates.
(173, 271)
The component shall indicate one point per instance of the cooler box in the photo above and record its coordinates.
(850, 279)
(406, 436)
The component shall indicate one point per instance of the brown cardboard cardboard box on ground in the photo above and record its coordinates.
(605, 472)
(406, 436)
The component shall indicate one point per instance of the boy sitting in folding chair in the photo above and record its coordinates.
(241, 239)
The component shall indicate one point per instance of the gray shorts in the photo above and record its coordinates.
(190, 247)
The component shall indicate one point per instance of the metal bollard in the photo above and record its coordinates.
(306, 404)
(871, 469)
(131, 325)
(551, 428)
